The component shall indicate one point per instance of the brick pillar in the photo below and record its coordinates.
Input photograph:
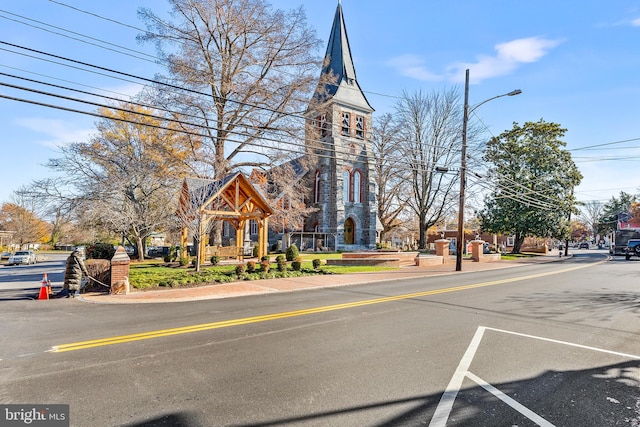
(442, 249)
(120, 266)
(477, 250)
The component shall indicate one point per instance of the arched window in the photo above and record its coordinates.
(346, 123)
(346, 176)
(357, 191)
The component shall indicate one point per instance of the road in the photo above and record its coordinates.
(552, 344)
(23, 281)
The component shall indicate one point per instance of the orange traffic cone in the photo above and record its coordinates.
(44, 288)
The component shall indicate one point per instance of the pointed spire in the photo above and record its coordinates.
(339, 63)
(338, 55)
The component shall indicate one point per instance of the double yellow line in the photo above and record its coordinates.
(267, 317)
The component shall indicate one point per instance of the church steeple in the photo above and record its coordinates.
(338, 63)
(342, 192)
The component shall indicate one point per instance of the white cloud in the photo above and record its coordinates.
(509, 56)
(635, 22)
(55, 132)
(525, 50)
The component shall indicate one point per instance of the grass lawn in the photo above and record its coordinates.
(508, 257)
(153, 274)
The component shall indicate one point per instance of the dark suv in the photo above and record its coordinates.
(633, 248)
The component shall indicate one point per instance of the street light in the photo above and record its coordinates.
(463, 164)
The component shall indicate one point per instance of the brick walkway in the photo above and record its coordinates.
(235, 289)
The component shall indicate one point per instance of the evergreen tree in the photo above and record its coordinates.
(534, 180)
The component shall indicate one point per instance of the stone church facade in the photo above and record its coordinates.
(340, 175)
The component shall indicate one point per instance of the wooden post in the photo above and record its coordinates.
(201, 242)
(265, 235)
(240, 237)
(183, 242)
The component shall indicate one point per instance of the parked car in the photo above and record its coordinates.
(632, 248)
(22, 257)
(584, 245)
(5, 256)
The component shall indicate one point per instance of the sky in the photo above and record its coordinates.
(576, 63)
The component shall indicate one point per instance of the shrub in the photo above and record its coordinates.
(282, 263)
(100, 251)
(265, 258)
(194, 261)
(265, 266)
(99, 269)
(167, 258)
(184, 261)
(251, 266)
(215, 260)
(255, 251)
(292, 253)
(297, 264)
(240, 269)
(280, 258)
(316, 263)
(173, 253)
(169, 283)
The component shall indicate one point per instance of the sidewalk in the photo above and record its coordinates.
(290, 284)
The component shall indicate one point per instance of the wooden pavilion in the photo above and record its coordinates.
(233, 199)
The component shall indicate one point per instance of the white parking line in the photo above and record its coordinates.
(601, 350)
(443, 410)
(441, 415)
(509, 401)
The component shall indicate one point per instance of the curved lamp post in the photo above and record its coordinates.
(463, 164)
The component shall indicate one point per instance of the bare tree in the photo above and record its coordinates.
(284, 187)
(591, 215)
(126, 178)
(390, 173)
(244, 71)
(430, 129)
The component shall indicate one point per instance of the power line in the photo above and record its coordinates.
(152, 56)
(148, 32)
(79, 34)
(97, 16)
(191, 124)
(157, 35)
(605, 144)
(181, 122)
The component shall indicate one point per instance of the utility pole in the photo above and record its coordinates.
(463, 175)
(463, 164)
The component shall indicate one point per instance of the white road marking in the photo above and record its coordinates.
(509, 401)
(586, 347)
(442, 412)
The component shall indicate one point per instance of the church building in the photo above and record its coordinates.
(340, 174)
